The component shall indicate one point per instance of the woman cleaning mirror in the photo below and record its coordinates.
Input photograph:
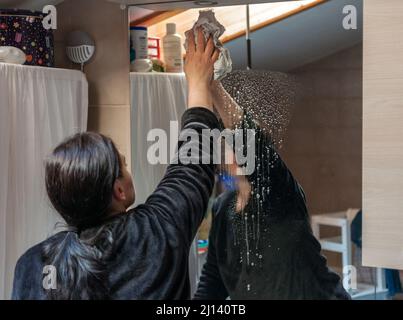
(109, 252)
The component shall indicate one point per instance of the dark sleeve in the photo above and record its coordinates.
(17, 293)
(182, 196)
(271, 179)
(211, 285)
(28, 277)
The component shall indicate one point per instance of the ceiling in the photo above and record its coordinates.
(300, 39)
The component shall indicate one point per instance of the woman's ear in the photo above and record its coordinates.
(119, 191)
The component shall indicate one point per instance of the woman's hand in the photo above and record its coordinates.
(199, 69)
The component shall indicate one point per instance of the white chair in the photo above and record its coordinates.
(342, 244)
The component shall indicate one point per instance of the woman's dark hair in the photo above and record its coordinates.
(80, 174)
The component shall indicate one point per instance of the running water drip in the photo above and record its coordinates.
(268, 98)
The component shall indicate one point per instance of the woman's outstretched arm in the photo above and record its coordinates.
(230, 112)
(199, 68)
(182, 196)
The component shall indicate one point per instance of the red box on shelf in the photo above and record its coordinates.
(154, 49)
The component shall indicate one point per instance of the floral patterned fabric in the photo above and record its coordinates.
(23, 29)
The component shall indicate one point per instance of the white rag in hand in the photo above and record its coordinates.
(210, 26)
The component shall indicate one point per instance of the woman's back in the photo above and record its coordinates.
(110, 253)
(146, 260)
(139, 254)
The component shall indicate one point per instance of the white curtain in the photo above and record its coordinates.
(39, 107)
(156, 99)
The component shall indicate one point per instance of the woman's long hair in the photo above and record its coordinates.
(80, 174)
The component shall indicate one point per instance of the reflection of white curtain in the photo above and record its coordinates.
(39, 107)
(156, 99)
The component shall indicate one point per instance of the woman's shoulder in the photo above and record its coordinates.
(35, 252)
(29, 271)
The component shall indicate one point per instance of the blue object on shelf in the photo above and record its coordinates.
(135, 44)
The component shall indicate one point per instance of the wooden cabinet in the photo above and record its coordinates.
(383, 134)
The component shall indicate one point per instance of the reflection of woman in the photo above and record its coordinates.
(110, 253)
(262, 246)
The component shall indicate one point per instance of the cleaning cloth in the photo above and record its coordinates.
(210, 26)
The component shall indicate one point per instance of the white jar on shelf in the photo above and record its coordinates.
(172, 49)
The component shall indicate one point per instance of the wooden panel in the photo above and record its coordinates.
(108, 70)
(383, 134)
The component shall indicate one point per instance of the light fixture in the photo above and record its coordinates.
(205, 3)
(80, 47)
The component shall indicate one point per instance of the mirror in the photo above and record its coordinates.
(319, 45)
(314, 213)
